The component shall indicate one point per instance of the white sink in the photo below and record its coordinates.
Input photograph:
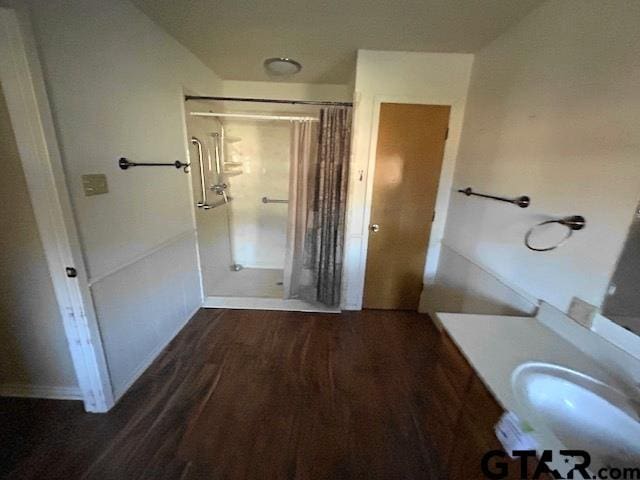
(582, 412)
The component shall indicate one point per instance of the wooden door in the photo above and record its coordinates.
(409, 154)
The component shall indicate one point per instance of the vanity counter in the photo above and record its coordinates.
(495, 346)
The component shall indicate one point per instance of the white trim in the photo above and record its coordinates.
(40, 391)
(255, 303)
(143, 255)
(292, 118)
(146, 363)
(33, 127)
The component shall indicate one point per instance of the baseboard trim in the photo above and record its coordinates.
(256, 303)
(40, 391)
(152, 356)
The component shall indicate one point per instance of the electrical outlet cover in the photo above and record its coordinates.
(582, 312)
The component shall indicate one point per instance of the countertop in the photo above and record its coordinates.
(495, 345)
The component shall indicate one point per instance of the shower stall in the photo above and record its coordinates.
(241, 156)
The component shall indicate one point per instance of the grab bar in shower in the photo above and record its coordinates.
(216, 150)
(273, 200)
(202, 203)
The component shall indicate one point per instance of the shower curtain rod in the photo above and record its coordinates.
(268, 100)
(255, 116)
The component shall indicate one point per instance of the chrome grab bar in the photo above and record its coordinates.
(272, 200)
(216, 150)
(202, 203)
(219, 188)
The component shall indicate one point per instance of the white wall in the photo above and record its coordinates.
(427, 78)
(115, 82)
(259, 230)
(288, 91)
(553, 112)
(34, 356)
(463, 286)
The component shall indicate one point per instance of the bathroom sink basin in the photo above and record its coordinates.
(582, 412)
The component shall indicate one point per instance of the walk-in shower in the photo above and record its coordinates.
(241, 156)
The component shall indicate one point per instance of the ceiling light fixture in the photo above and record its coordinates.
(281, 66)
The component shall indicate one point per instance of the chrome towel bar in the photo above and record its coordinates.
(522, 202)
(124, 164)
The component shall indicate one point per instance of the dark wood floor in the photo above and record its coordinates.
(248, 395)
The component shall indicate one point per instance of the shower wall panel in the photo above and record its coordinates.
(258, 154)
(212, 224)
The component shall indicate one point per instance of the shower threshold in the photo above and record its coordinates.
(247, 282)
(260, 303)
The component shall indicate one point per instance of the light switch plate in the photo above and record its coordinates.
(94, 184)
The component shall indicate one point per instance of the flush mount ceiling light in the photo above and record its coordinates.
(281, 66)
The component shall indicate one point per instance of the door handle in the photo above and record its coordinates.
(374, 227)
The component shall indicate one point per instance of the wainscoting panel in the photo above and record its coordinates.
(142, 306)
(461, 286)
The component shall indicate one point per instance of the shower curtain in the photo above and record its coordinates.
(317, 207)
(298, 280)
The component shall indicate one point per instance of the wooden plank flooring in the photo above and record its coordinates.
(248, 395)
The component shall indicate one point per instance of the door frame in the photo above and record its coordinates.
(442, 195)
(32, 122)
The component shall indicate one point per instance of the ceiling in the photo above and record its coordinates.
(234, 37)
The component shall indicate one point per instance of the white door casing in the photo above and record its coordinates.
(32, 122)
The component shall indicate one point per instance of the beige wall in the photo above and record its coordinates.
(428, 78)
(553, 113)
(115, 82)
(34, 353)
(288, 91)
